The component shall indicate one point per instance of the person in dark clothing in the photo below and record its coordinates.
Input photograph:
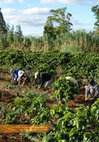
(92, 89)
(27, 77)
(45, 79)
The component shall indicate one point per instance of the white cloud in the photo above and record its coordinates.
(29, 11)
(70, 1)
(90, 2)
(9, 11)
(81, 25)
(4, 2)
(31, 20)
(29, 4)
(27, 17)
(47, 1)
(8, 1)
(93, 2)
(97, 2)
(37, 11)
(21, 1)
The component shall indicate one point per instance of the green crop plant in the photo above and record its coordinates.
(64, 90)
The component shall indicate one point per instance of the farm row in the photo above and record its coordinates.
(32, 107)
(81, 65)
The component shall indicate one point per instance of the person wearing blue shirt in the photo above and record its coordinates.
(16, 74)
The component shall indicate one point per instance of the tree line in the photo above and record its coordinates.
(57, 28)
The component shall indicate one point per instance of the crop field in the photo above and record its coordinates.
(63, 52)
(63, 107)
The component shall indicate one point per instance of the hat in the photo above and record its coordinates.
(12, 70)
(36, 75)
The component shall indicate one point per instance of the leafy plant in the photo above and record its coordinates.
(64, 89)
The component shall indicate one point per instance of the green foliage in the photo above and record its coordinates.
(42, 116)
(3, 28)
(59, 17)
(18, 34)
(67, 125)
(57, 111)
(57, 24)
(80, 125)
(57, 35)
(73, 41)
(75, 126)
(10, 36)
(64, 90)
(89, 137)
(12, 118)
(94, 110)
(95, 9)
(83, 65)
(29, 107)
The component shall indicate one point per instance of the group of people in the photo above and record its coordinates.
(44, 79)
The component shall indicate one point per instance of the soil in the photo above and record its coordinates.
(12, 137)
(7, 96)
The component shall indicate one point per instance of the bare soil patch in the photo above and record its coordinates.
(11, 137)
(6, 97)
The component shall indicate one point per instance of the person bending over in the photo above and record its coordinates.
(92, 89)
(44, 79)
(16, 75)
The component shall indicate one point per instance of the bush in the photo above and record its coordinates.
(64, 90)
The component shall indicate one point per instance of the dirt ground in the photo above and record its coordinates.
(7, 95)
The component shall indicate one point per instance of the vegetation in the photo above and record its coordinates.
(3, 28)
(57, 24)
(95, 9)
(64, 90)
(58, 35)
(70, 41)
(61, 52)
(67, 125)
(81, 65)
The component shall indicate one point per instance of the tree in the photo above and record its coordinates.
(18, 33)
(3, 27)
(10, 35)
(58, 23)
(95, 9)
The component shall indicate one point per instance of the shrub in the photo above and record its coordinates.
(64, 90)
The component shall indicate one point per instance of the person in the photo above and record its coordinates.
(44, 79)
(72, 79)
(92, 89)
(16, 75)
(27, 77)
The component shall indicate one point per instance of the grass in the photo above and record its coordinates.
(71, 41)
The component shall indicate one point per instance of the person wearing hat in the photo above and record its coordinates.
(16, 75)
(44, 79)
(92, 89)
(72, 79)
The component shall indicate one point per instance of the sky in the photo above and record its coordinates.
(31, 15)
